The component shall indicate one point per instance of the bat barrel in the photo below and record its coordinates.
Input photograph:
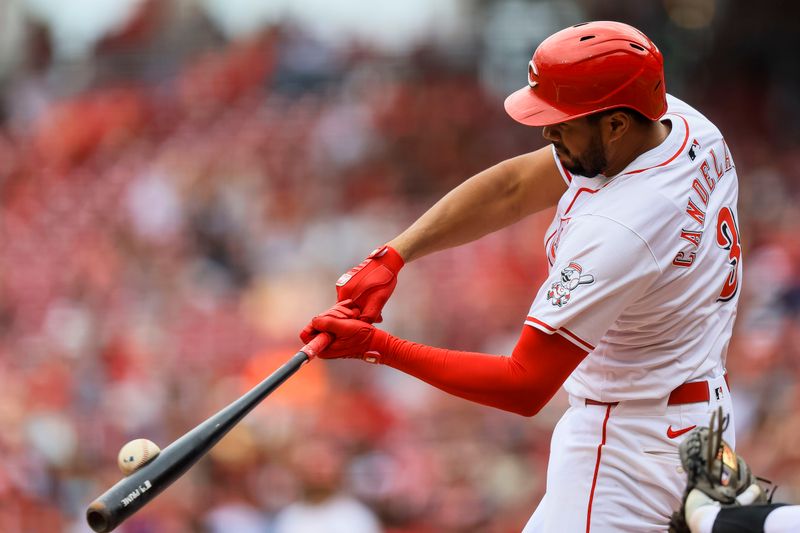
(133, 492)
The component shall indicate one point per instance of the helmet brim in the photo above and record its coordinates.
(527, 108)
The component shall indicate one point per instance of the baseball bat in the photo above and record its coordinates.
(134, 492)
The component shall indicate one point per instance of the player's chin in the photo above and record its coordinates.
(566, 161)
(581, 169)
(572, 165)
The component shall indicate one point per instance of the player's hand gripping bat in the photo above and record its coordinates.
(133, 492)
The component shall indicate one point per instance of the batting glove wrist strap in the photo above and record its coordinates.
(379, 348)
(370, 283)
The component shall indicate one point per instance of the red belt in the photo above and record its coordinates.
(692, 392)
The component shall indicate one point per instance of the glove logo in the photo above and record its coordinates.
(560, 292)
(343, 279)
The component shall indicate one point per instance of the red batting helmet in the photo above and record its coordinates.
(588, 68)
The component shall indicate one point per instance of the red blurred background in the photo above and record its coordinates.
(181, 184)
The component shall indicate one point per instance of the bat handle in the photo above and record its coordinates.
(316, 345)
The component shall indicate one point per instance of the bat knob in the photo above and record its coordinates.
(99, 518)
(317, 344)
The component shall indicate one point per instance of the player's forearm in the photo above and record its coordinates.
(487, 202)
(482, 378)
(482, 204)
(522, 383)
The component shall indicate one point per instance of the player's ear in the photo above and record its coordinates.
(617, 124)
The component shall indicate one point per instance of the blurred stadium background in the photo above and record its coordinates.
(181, 182)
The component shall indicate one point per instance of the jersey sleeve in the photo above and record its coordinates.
(601, 267)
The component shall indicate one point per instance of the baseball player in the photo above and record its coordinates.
(645, 265)
(722, 495)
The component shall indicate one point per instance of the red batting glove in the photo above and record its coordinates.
(352, 338)
(370, 283)
(340, 310)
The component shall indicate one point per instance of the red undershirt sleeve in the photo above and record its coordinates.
(522, 383)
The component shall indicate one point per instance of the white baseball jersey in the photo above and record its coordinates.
(645, 266)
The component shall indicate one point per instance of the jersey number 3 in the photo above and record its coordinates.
(728, 239)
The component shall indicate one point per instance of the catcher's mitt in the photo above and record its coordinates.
(715, 473)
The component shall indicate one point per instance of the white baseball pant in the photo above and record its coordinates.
(615, 468)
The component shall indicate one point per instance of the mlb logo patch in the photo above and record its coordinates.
(695, 145)
(718, 393)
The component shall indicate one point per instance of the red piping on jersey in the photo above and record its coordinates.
(543, 324)
(547, 242)
(564, 332)
(586, 189)
(676, 154)
(596, 470)
(578, 193)
(576, 338)
(550, 237)
(566, 172)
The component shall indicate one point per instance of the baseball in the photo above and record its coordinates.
(135, 454)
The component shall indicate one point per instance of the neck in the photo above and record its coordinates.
(646, 137)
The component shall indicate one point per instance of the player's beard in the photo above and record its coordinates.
(590, 163)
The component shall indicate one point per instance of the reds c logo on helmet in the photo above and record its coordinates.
(587, 68)
(533, 73)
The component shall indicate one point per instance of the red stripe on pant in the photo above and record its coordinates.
(596, 470)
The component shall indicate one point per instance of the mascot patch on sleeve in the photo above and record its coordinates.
(571, 278)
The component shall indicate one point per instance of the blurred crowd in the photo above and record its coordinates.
(163, 239)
